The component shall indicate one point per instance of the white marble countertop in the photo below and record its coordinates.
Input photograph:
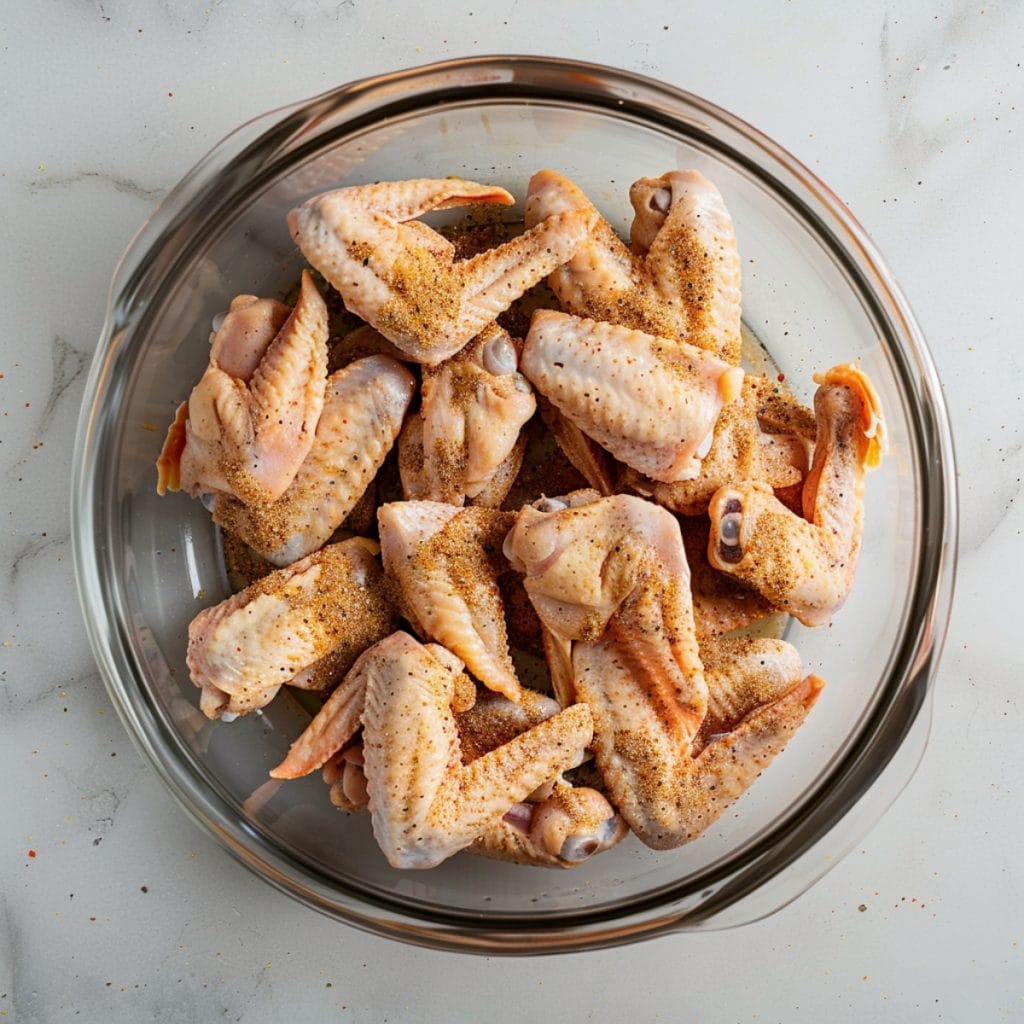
(114, 906)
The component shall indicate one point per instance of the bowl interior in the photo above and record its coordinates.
(164, 555)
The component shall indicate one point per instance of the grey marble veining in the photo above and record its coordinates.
(113, 906)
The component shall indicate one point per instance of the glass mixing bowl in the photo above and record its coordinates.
(815, 293)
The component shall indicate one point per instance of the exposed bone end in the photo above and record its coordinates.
(651, 199)
(660, 200)
(499, 355)
(575, 823)
(729, 526)
(729, 535)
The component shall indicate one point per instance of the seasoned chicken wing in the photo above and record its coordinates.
(804, 565)
(650, 401)
(681, 280)
(402, 277)
(446, 562)
(683, 229)
(425, 803)
(250, 420)
(582, 557)
(362, 417)
(609, 582)
(472, 411)
(304, 625)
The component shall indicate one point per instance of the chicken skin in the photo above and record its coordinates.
(741, 450)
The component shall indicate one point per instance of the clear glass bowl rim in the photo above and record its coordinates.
(259, 146)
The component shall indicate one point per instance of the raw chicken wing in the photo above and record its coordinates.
(559, 825)
(362, 416)
(425, 803)
(472, 411)
(804, 565)
(303, 625)
(446, 562)
(402, 277)
(650, 401)
(250, 420)
(681, 280)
